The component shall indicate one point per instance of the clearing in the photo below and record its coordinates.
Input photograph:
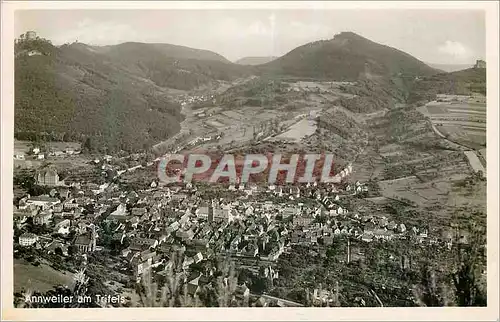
(41, 278)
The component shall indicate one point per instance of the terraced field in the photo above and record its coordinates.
(460, 119)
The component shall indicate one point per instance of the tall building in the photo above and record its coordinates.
(87, 242)
(48, 177)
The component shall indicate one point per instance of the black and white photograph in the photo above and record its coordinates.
(250, 158)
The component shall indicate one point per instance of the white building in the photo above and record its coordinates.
(43, 201)
(27, 239)
(63, 227)
(34, 53)
(121, 210)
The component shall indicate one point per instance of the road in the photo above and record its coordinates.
(474, 162)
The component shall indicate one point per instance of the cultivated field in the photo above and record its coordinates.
(299, 130)
(334, 88)
(461, 119)
(292, 119)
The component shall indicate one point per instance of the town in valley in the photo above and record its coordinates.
(403, 225)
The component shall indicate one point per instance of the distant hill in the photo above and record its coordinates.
(255, 60)
(450, 67)
(169, 65)
(111, 98)
(167, 50)
(347, 56)
(119, 97)
(463, 82)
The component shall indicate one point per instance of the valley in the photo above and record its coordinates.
(409, 209)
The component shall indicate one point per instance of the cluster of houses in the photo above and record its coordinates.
(205, 139)
(37, 154)
(196, 99)
(151, 224)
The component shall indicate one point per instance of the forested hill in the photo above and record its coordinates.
(348, 57)
(463, 82)
(116, 95)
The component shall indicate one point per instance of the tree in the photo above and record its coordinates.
(87, 145)
(467, 274)
(431, 291)
(461, 284)
(66, 137)
(72, 250)
(468, 292)
(174, 292)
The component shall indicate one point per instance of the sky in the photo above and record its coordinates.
(431, 35)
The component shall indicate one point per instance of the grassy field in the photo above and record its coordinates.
(299, 130)
(40, 278)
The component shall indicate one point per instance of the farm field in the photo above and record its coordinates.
(291, 120)
(460, 119)
(420, 169)
(422, 193)
(299, 130)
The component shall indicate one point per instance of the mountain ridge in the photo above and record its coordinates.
(462, 82)
(255, 60)
(111, 94)
(170, 50)
(347, 56)
(449, 68)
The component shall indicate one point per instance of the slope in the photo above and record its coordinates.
(172, 66)
(463, 82)
(449, 68)
(68, 94)
(168, 50)
(116, 97)
(169, 66)
(347, 57)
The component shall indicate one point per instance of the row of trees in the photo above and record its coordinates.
(173, 291)
(459, 280)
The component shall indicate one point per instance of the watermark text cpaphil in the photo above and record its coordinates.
(269, 168)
